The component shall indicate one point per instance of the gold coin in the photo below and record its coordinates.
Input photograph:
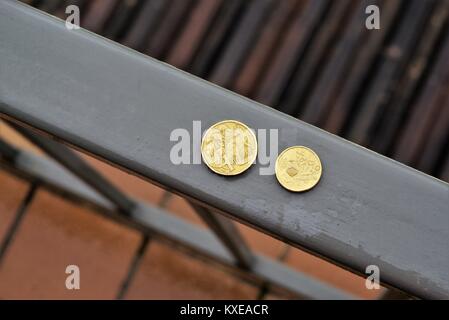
(229, 147)
(298, 169)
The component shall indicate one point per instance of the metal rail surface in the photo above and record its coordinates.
(121, 106)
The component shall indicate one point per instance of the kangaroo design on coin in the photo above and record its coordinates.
(229, 147)
(298, 169)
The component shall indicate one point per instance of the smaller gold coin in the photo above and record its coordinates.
(229, 147)
(298, 169)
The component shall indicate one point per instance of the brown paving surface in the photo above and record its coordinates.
(55, 234)
(12, 192)
(179, 207)
(128, 183)
(168, 274)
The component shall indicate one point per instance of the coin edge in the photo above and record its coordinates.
(251, 162)
(276, 167)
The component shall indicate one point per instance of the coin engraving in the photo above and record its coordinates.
(298, 169)
(229, 147)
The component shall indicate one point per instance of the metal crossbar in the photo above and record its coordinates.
(112, 102)
(134, 266)
(228, 234)
(12, 230)
(80, 168)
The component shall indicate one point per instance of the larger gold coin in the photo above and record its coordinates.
(229, 147)
(298, 169)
